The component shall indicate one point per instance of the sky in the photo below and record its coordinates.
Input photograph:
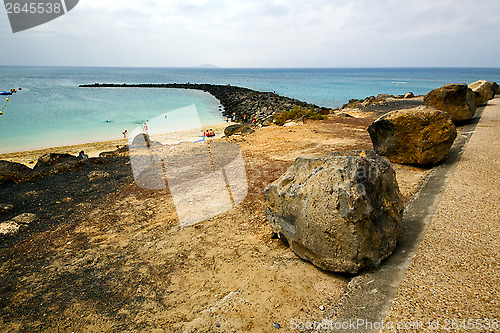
(262, 34)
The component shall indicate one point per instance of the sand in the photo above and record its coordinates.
(124, 264)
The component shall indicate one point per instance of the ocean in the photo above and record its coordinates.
(51, 109)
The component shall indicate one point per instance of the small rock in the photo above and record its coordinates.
(238, 129)
(5, 208)
(409, 95)
(25, 218)
(293, 123)
(9, 228)
(98, 175)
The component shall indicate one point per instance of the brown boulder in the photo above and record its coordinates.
(422, 135)
(341, 212)
(455, 99)
(483, 91)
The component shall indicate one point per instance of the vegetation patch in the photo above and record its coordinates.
(298, 112)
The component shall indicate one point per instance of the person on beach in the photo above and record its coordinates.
(212, 133)
(254, 120)
(83, 155)
(245, 118)
(145, 128)
(125, 133)
(234, 116)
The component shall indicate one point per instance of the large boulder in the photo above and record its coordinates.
(422, 135)
(341, 212)
(455, 99)
(14, 172)
(483, 91)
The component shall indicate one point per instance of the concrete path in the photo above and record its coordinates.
(446, 267)
(453, 282)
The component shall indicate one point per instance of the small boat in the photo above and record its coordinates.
(6, 93)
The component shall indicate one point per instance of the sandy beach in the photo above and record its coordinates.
(93, 149)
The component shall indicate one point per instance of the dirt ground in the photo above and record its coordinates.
(116, 260)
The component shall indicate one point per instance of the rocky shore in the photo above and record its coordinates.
(239, 100)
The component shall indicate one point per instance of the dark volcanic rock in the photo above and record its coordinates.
(383, 103)
(455, 99)
(120, 151)
(15, 172)
(422, 135)
(341, 212)
(6, 208)
(238, 129)
(51, 159)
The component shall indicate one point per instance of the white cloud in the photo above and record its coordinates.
(261, 33)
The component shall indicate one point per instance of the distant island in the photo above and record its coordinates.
(206, 66)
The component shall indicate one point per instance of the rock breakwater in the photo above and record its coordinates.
(234, 99)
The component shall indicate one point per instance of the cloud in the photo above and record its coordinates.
(261, 33)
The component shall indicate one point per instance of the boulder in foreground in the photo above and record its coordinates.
(422, 135)
(483, 91)
(341, 212)
(455, 99)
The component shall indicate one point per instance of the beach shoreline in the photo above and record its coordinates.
(93, 149)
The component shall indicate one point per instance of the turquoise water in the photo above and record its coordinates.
(52, 110)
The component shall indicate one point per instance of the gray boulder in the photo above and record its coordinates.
(422, 135)
(483, 91)
(341, 212)
(455, 99)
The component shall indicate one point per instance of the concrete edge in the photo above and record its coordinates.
(369, 296)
